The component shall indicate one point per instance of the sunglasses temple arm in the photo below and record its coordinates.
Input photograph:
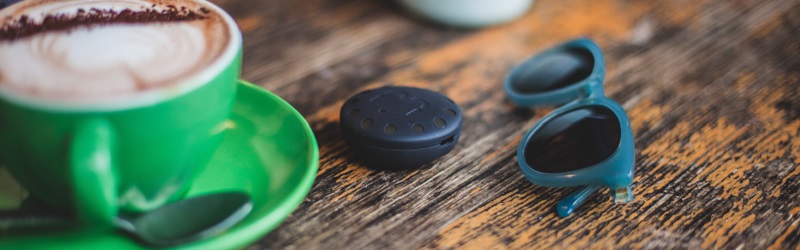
(568, 205)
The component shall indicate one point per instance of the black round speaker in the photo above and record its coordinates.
(400, 127)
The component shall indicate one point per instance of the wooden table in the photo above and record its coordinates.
(711, 88)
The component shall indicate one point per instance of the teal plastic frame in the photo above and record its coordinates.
(616, 171)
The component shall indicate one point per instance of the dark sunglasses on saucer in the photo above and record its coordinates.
(586, 142)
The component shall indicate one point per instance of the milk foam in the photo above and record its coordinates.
(110, 61)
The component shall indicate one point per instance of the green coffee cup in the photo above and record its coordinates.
(130, 155)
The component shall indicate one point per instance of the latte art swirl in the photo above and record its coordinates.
(95, 62)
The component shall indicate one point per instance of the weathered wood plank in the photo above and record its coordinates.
(711, 88)
(714, 176)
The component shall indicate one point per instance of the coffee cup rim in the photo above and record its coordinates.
(147, 97)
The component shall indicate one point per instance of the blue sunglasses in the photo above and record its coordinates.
(586, 142)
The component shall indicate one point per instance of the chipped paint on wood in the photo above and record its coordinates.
(710, 88)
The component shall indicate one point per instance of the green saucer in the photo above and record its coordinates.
(269, 152)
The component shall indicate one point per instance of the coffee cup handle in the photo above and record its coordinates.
(91, 163)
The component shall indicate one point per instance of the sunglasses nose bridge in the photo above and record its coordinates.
(593, 88)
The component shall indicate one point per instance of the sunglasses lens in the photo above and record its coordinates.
(554, 71)
(574, 140)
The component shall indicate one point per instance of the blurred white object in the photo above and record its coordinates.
(468, 13)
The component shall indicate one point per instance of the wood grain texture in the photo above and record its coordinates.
(712, 89)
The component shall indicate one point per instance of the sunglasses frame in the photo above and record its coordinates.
(617, 170)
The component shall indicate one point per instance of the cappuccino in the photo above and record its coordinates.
(96, 52)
